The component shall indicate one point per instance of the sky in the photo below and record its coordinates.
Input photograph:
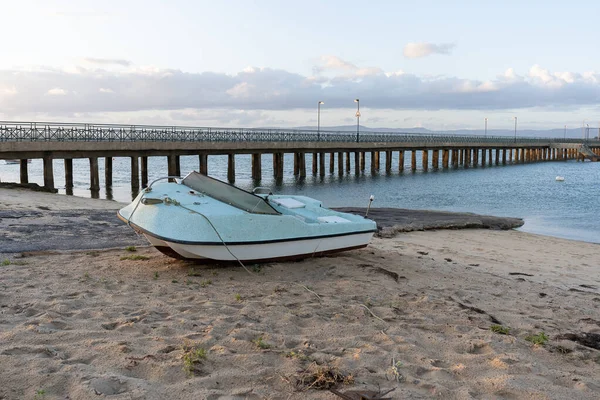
(441, 65)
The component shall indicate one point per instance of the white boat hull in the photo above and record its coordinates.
(300, 248)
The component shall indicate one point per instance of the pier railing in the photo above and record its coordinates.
(11, 131)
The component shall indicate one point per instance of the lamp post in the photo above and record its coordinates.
(357, 101)
(587, 132)
(565, 131)
(515, 129)
(319, 120)
(486, 127)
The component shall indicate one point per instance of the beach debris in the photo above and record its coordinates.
(448, 259)
(590, 321)
(520, 273)
(588, 286)
(587, 339)
(363, 394)
(542, 294)
(394, 371)
(322, 377)
(478, 311)
(423, 253)
(474, 265)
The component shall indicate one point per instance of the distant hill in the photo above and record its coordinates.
(575, 133)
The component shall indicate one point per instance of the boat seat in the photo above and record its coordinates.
(288, 202)
(332, 219)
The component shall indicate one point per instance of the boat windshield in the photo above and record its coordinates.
(228, 194)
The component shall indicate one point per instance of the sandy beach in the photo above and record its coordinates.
(449, 314)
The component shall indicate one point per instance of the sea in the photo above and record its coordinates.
(567, 209)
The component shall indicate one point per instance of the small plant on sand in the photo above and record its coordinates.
(261, 344)
(322, 377)
(192, 357)
(156, 275)
(92, 253)
(39, 394)
(256, 268)
(130, 248)
(238, 297)
(297, 355)
(503, 330)
(174, 281)
(135, 257)
(193, 272)
(206, 282)
(5, 262)
(539, 339)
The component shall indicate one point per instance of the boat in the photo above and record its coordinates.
(202, 218)
(14, 161)
(560, 178)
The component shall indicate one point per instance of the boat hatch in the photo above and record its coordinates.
(288, 202)
(333, 219)
(228, 194)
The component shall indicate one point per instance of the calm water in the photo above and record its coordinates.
(569, 209)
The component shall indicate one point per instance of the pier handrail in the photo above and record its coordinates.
(22, 131)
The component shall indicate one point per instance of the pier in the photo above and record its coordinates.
(331, 152)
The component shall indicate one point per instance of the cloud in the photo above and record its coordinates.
(335, 64)
(107, 61)
(417, 50)
(259, 89)
(56, 92)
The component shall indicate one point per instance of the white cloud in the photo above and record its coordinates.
(417, 50)
(107, 61)
(56, 92)
(259, 89)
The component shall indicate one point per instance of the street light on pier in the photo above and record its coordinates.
(565, 131)
(485, 127)
(319, 120)
(357, 101)
(515, 129)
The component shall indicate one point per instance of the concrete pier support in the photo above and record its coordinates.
(503, 156)
(135, 174)
(510, 155)
(425, 160)
(376, 159)
(296, 166)
(475, 157)
(48, 173)
(454, 157)
(331, 163)
(203, 163)
(435, 159)
(373, 163)
(340, 163)
(413, 161)
(94, 178)
(172, 167)
(144, 171)
(108, 167)
(497, 156)
(315, 159)
(23, 170)
(445, 161)
(388, 162)
(278, 159)
(302, 165)
(483, 159)
(69, 173)
(401, 161)
(231, 167)
(362, 161)
(356, 163)
(256, 167)
(321, 164)
(468, 157)
(348, 162)
(490, 156)
(461, 156)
